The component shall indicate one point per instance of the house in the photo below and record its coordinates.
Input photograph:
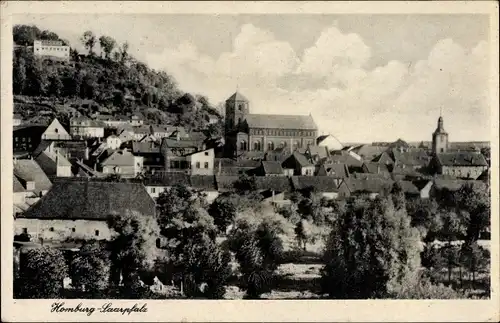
(336, 171)
(80, 209)
(317, 154)
(278, 154)
(52, 49)
(466, 165)
(330, 142)
(384, 158)
(299, 164)
(162, 131)
(83, 127)
(70, 149)
(368, 152)
(455, 185)
(201, 162)
(32, 177)
(150, 151)
(375, 168)
(17, 120)
(126, 134)
(136, 119)
(113, 142)
(123, 163)
(268, 168)
(325, 185)
(371, 187)
(349, 158)
(274, 189)
(159, 182)
(229, 166)
(27, 137)
(141, 131)
(112, 121)
(409, 189)
(54, 164)
(416, 159)
(55, 131)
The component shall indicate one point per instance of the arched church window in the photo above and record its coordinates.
(241, 106)
(243, 145)
(270, 145)
(256, 146)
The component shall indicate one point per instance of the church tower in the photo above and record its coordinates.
(237, 108)
(440, 138)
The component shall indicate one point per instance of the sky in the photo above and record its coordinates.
(362, 77)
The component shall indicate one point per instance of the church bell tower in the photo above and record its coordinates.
(237, 108)
(439, 138)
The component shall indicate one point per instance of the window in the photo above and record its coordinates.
(25, 230)
(256, 146)
(206, 153)
(206, 165)
(197, 164)
(442, 149)
(153, 190)
(96, 233)
(16, 139)
(243, 145)
(73, 230)
(270, 145)
(51, 229)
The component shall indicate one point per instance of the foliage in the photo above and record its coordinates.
(107, 45)
(89, 40)
(311, 208)
(134, 246)
(91, 268)
(371, 249)
(307, 232)
(25, 35)
(258, 249)
(424, 289)
(477, 204)
(41, 273)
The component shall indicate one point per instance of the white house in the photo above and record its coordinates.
(113, 142)
(55, 131)
(86, 128)
(51, 49)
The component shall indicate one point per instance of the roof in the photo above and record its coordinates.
(237, 97)
(368, 185)
(44, 144)
(50, 42)
(145, 148)
(277, 121)
(299, 158)
(462, 158)
(88, 122)
(454, 185)
(142, 129)
(29, 171)
(414, 157)
(369, 151)
(93, 200)
(173, 143)
(320, 151)
(272, 167)
(18, 187)
(274, 183)
(330, 141)
(375, 168)
(408, 187)
(336, 170)
(344, 157)
(120, 158)
(167, 179)
(319, 183)
(203, 182)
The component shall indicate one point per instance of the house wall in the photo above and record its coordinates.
(55, 131)
(470, 172)
(155, 190)
(64, 171)
(279, 141)
(330, 195)
(125, 171)
(16, 122)
(205, 161)
(59, 51)
(94, 132)
(19, 197)
(113, 142)
(60, 230)
(307, 171)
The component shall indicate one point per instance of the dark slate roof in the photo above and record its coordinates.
(319, 183)
(368, 185)
(145, 148)
(276, 121)
(173, 143)
(462, 158)
(29, 171)
(382, 176)
(237, 97)
(368, 151)
(485, 176)
(91, 200)
(301, 159)
(120, 158)
(202, 182)
(336, 170)
(408, 187)
(244, 163)
(272, 167)
(376, 168)
(343, 157)
(167, 179)
(275, 183)
(18, 187)
(225, 182)
(413, 157)
(454, 185)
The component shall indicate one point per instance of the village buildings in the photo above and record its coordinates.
(53, 49)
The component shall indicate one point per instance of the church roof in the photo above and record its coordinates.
(237, 97)
(277, 121)
(464, 158)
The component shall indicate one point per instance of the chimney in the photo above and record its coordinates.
(378, 169)
(177, 136)
(86, 154)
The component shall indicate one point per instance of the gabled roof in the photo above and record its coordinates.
(368, 151)
(485, 176)
(44, 144)
(120, 158)
(320, 151)
(462, 158)
(319, 183)
(408, 187)
(145, 148)
(49, 161)
(144, 129)
(173, 143)
(272, 167)
(336, 170)
(92, 200)
(299, 158)
(375, 168)
(368, 185)
(237, 97)
(413, 157)
(276, 121)
(29, 171)
(274, 183)
(344, 157)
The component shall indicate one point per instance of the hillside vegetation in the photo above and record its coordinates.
(108, 80)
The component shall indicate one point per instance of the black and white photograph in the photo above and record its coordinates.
(251, 156)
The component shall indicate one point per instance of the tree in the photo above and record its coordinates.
(307, 232)
(89, 40)
(476, 202)
(91, 269)
(107, 45)
(223, 209)
(55, 85)
(371, 250)
(124, 52)
(135, 246)
(37, 78)
(310, 208)
(475, 258)
(245, 185)
(42, 272)
(19, 76)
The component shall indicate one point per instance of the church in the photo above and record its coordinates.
(264, 132)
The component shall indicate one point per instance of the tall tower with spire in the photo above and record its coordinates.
(440, 138)
(237, 107)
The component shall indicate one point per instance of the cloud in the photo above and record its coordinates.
(331, 81)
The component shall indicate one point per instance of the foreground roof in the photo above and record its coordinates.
(92, 200)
